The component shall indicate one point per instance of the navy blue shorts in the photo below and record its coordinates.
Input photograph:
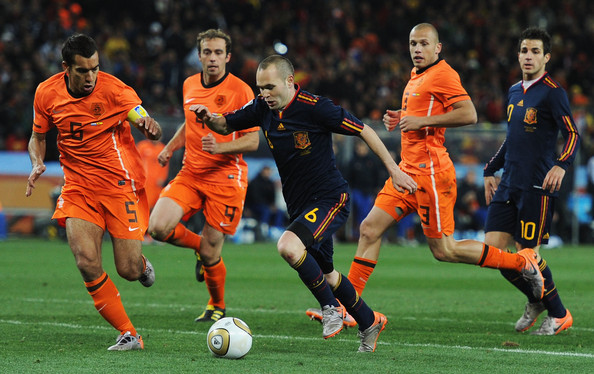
(317, 223)
(526, 215)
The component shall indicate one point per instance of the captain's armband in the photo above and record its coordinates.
(137, 112)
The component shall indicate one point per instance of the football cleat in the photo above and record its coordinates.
(199, 268)
(553, 326)
(370, 335)
(148, 276)
(531, 313)
(211, 314)
(127, 342)
(315, 314)
(531, 272)
(332, 318)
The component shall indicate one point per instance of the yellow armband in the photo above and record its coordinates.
(137, 112)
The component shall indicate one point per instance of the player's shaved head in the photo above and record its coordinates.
(427, 27)
(282, 64)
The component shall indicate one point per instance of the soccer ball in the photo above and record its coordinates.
(229, 337)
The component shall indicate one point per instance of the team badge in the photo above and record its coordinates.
(301, 139)
(220, 100)
(97, 109)
(530, 116)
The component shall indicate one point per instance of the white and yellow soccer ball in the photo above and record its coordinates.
(229, 337)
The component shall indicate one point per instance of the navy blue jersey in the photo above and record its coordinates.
(300, 138)
(535, 118)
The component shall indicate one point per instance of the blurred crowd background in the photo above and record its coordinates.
(353, 51)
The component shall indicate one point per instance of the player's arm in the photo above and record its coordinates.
(495, 164)
(37, 148)
(562, 113)
(140, 119)
(463, 113)
(401, 180)
(176, 142)
(246, 143)
(216, 123)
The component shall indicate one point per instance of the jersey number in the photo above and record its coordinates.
(425, 215)
(76, 132)
(131, 210)
(230, 212)
(311, 216)
(528, 230)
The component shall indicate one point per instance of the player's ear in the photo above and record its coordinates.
(64, 66)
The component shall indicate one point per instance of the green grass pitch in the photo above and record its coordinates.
(443, 318)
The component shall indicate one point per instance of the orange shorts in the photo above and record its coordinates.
(222, 205)
(123, 214)
(434, 202)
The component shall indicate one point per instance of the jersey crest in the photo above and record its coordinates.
(530, 116)
(301, 139)
(97, 109)
(220, 100)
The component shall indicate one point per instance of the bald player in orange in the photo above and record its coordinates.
(433, 100)
(103, 174)
(214, 175)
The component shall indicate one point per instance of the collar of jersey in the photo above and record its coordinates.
(420, 71)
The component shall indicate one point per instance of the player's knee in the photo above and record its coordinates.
(288, 252)
(368, 231)
(159, 232)
(129, 271)
(443, 253)
(88, 266)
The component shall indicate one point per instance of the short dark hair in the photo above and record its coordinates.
(283, 65)
(78, 44)
(212, 34)
(536, 33)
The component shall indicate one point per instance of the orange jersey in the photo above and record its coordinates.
(429, 93)
(96, 147)
(156, 175)
(227, 95)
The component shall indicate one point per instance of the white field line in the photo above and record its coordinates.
(284, 337)
(275, 311)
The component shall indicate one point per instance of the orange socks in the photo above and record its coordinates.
(108, 303)
(361, 269)
(495, 258)
(214, 277)
(182, 237)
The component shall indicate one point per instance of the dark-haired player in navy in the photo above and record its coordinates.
(298, 127)
(522, 206)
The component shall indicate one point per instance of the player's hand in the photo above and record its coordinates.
(35, 174)
(391, 119)
(202, 112)
(150, 127)
(553, 179)
(164, 156)
(209, 144)
(402, 181)
(490, 188)
(411, 123)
